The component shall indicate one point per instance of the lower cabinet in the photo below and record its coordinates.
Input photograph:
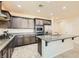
(7, 51)
(10, 48)
(0, 54)
(29, 39)
(19, 40)
(32, 39)
(24, 40)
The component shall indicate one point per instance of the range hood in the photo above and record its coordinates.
(2, 16)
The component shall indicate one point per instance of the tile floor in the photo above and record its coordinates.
(30, 51)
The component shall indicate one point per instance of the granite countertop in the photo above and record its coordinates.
(50, 38)
(4, 42)
(18, 31)
(28, 34)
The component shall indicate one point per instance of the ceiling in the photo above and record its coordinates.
(48, 9)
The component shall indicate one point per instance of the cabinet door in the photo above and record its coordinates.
(32, 39)
(47, 22)
(9, 53)
(31, 24)
(26, 39)
(22, 23)
(29, 39)
(39, 22)
(10, 47)
(19, 40)
(8, 50)
(0, 54)
(5, 53)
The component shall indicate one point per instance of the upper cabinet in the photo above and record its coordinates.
(31, 23)
(47, 22)
(39, 21)
(22, 23)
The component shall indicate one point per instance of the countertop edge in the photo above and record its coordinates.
(6, 43)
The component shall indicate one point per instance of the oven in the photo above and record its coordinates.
(39, 29)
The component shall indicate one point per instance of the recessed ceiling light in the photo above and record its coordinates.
(38, 10)
(19, 6)
(64, 7)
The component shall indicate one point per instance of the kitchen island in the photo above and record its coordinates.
(7, 46)
(51, 46)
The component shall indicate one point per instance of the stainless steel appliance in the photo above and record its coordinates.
(39, 29)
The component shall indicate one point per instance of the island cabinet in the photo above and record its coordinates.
(7, 51)
(10, 48)
(39, 22)
(0, 54)
(54, 48)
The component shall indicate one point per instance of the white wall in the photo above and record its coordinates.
(67, 26)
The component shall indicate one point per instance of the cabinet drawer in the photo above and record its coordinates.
(26, 39)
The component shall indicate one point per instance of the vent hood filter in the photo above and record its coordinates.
(2, 15)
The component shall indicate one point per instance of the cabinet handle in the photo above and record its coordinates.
(62, 40)
(72, 38)
(46, 43)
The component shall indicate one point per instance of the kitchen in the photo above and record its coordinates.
(27, 33)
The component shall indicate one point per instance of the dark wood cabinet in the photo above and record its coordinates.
(47, 22)
(7, 51)
(19, 40)
(10, 48)
(22, 23)
(29, 39)
(32, 39)
(24, 40)
(39, 22)
(0, 55)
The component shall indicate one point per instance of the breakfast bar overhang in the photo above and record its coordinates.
(51, 46)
